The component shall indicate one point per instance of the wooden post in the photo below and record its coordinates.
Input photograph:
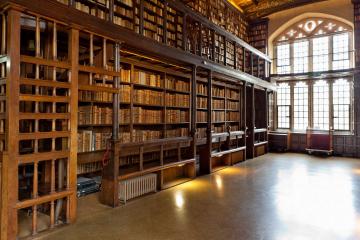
(193, 111)
(10, 161)
(116, 102)
(72, 162)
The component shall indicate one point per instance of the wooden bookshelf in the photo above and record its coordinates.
(225, 136)
(221, 12)
(261, 123)
(258, 38)
(89, 105)
(207, 35)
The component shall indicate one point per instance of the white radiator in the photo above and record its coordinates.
(135, 187)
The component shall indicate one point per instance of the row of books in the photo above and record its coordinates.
(145, 78)
(89, 167)
(95, 96)
(233, 94)
(201, 102)
(218, 92)
(232, 105)
(176, 84)
(218, 104)
(177, 116)
(124, 116)
(125, 93)
(145, 96)
(180, 132)
(123, 22)
(94, 115)
(201, 116)
(201, 89)
(201, 132)
(145, 135)
(219, 129)
(218, 116)
(125, 75)
(92, 141)
(147, 116)
(95, 11)
(177, 100)
(233, 116)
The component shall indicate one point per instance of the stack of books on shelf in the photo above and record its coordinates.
(92, 141)
(218, 116)
(124, 16)
(124, 137)
(177, 116)
(219, 129)
(233, 116)
(178, 85)
(201, 132)
(124, 116)
(145, 135)
(177, 100)
(94, 115)
(150, 97)
(218, 104)
(144, 78)
(201, 102)
(201, 116)
(147, 116)
(232, 94)
(88, 96)
(218, 92)
(97, 8)
(89, 167)
(201, 89)
(181, 132)
(232, 105)
(125, 75)
(125, 92)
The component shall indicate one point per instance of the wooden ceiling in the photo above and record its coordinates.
(261, 8)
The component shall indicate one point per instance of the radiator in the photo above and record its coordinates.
(136, 187)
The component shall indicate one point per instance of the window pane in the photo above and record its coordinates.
(341, 58)
(283, 105)
(341, 101)
(283, 59)
(301, 106)
(321, 54)
(321, 105)
(301, 56)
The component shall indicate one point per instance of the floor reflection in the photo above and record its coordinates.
(323, 202)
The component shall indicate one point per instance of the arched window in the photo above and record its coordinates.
(314, 45)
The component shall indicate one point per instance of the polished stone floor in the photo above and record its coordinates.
(277, 196)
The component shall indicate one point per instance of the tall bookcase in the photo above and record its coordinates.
(224, 129)
(258, 38)
(221, 13)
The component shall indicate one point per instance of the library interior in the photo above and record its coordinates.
(180, 119)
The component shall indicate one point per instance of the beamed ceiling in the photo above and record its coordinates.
(260, 8)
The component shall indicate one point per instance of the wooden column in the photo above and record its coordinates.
(72, 164)
(109, 192)
(9, 221)
(193, 110)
